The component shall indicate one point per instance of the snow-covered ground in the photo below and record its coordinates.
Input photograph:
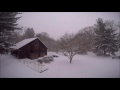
(82, 66)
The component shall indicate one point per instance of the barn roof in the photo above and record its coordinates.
(24, 42)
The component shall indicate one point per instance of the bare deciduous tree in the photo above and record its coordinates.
(85, 39)
(68, 46)
(29, 33)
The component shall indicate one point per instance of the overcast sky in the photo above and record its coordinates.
(58, 23)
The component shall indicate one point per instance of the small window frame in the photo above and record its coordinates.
(36, 43)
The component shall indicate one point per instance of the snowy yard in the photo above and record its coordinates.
(82, 66)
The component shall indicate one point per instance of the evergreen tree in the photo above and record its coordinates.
(118, 34)
(119, 40)
(112, 36)
(7, 26)
(105, 38)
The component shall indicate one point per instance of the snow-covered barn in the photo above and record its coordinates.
(29, 48)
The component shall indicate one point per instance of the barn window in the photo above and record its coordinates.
(36, 43)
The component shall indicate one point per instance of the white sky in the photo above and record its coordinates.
(58, 23)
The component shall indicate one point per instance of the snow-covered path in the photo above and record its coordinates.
(82, 66)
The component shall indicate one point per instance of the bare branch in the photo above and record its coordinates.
(68, 44)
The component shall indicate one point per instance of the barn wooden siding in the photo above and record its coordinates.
(31, 50)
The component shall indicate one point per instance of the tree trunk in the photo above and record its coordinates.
(109, 53)
(70, 60)
(104, 53)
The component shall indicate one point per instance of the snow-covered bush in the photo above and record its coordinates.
(55, 55)
(46, 59)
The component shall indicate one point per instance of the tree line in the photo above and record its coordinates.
(103, 38)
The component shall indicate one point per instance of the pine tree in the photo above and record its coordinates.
(118, 34)
(7, 26)
(112, 36)
(119, 40)
(105, 38)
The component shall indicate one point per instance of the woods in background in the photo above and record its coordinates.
(103, 38)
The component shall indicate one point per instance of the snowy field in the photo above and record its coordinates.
(82, 66)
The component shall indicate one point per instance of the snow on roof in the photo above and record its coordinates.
(42, 42)
(24, 42)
